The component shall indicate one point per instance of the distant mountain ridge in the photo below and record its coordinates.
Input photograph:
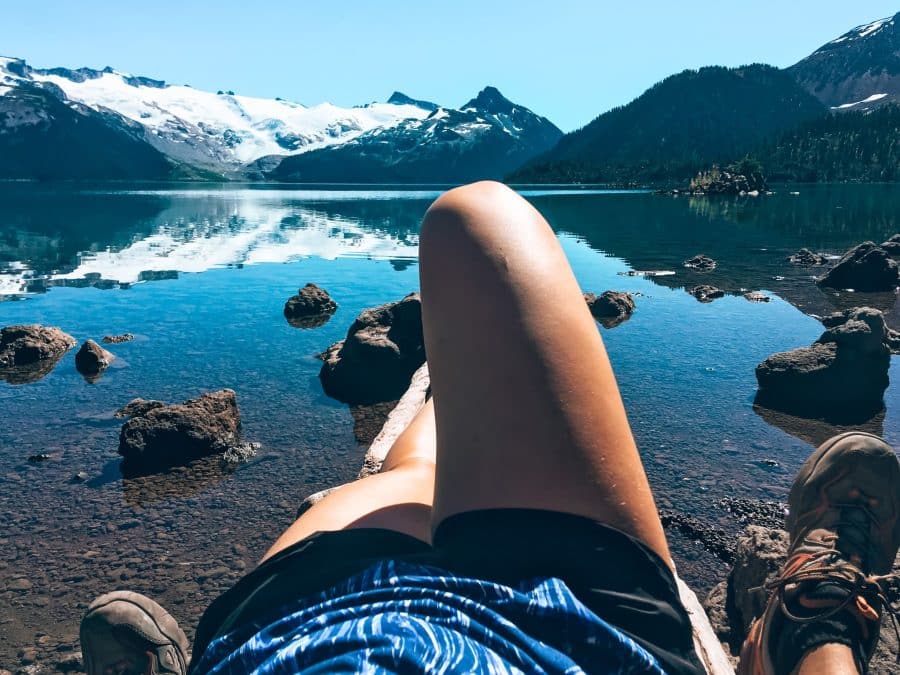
(858, 70)
(680, 125)
(487, 138)
(177, 131)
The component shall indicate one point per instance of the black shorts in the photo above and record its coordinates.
(613, 574)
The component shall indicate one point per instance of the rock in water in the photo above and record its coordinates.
(171, 435)
(807, 258)
(842, 375)
(610, 308)
(701, 263)
(756, 296)
(892, 246)
(92, 359)
(118, 339)
(866, 268)
(376, 360)
(26, 344)
(706, 293)
(310, 308)
(29, 352)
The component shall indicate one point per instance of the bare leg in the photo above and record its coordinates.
(528, 411)
(399, 498)
(829, 659)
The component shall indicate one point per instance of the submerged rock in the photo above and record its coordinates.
(158, 437)
(843, 374)
(701, 263)
(807, 258)
(610, 308)
(866, 268)
(118, 339)
(376, 360)
(28, 352)
(92, 359)
(706, 293)
(310, 308)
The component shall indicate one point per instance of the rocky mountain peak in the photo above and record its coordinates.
(399, 98)
(856, 70)
(490, 100)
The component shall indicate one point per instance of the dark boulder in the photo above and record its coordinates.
(310, 308)
(610, 308)
(376, 360)
(29, 352)
(158, 437)
(118, 339)
(701, 263)
(706, 293)
(842, 375)
(807, 258)
(92, 359)
(866, 268)
(23, 345)
(892, 246)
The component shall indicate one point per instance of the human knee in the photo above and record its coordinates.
(469, 213)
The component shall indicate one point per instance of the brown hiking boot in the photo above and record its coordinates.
(125, 633)
(845, 530)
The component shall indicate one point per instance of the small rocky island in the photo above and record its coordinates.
(610, 308)
(310, 308)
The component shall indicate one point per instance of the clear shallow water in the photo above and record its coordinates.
(201, 278)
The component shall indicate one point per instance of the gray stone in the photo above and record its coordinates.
(843, 374)
(610, 308)
(376, 360)
(310, 308)
(706, 293)
(867, 268)
(807, 258)
(701, 263)
(172, 435)
(92, 359)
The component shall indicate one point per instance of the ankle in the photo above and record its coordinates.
(828, 659)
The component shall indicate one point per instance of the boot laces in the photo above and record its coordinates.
(831, 565)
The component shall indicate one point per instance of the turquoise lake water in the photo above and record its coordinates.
(200, 276)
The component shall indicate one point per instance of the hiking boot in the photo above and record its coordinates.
(125, 633)
(844, 531)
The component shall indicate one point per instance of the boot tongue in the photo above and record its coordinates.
(853, 536)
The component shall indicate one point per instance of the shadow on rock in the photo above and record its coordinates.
(369, 419)
(817, 431)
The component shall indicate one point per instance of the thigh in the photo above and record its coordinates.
(527, 407)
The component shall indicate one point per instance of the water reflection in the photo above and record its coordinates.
(82, 239)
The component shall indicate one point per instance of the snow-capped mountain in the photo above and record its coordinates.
(176, 131)
(206, 129)
(858, 70)
(487, 138)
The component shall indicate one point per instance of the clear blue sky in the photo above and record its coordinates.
(567, 59)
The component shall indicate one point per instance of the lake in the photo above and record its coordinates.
(200, 276)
